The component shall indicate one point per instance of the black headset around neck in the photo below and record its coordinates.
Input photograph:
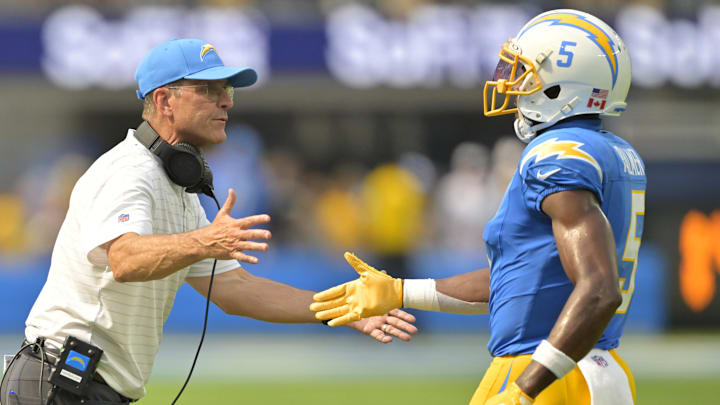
(183, 162)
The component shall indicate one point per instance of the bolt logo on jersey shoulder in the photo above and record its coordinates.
(595, 33)
(563, 150)
(205, 49)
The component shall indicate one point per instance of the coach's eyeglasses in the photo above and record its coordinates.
(212, 92)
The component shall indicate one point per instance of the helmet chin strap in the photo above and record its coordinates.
(524, 129)
(527, 129)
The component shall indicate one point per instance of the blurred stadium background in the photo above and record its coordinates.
(365, 134)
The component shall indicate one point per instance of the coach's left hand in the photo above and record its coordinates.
(513, 395)
(396, 323)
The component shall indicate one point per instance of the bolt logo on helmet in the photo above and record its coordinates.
(562, 63)
(595, 33)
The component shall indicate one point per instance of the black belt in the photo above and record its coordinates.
(98, 378)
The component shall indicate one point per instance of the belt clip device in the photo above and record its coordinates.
(75, 365)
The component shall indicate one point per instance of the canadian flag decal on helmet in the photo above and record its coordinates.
(597, 99)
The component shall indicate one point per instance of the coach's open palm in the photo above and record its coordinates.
(230, 238)
(373, 293)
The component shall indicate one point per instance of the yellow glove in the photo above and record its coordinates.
(513, 395)
(373, 293)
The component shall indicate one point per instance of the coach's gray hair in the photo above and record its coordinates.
(149, 104)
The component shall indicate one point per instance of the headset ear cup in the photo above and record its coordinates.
(206, 180)
(193, 165)
(185, 166)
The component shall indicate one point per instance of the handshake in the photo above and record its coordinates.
(373, 293)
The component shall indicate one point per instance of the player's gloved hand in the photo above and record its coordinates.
(373, 293)
(513, 395)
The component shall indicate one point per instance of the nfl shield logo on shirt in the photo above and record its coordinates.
(600, 361)
(123, 218)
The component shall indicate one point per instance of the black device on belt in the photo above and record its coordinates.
(75, 366)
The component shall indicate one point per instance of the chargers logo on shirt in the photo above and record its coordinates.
(77, 360)
(205, 49)
(595, 34)
(562, 150)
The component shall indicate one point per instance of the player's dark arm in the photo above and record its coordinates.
(466, 293)
(587, 251)
(471, 287)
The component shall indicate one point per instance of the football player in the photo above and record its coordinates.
(563, 246)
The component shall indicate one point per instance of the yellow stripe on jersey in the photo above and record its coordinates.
(563, 150)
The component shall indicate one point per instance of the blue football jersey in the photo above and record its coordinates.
(528, 286)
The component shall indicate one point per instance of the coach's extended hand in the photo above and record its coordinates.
(373, 293)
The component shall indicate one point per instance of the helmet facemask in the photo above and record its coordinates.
(515, 75)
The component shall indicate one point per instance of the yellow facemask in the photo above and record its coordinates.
(513, 75)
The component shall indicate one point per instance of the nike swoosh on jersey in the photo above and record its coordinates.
(543, 176)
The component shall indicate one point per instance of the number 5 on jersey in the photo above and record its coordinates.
(632, 246)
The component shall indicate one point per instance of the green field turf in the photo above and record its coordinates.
(395, 392)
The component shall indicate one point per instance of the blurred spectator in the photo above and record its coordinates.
(237, 165)
(12, 232)
(338, 210)
(286, 186)
(605, 10)
(464, 202)
(505, 157)
(400, 9)
(229, 3)
(394, 205)
(421, 167)
(45, 194)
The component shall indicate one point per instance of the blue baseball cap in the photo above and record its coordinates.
(187, 58)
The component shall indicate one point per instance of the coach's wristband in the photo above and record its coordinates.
(553, 359)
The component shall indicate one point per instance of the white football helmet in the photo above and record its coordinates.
(562, 63)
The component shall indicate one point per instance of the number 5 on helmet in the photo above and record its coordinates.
(373, 293)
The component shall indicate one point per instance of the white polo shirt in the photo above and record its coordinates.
(125, 190)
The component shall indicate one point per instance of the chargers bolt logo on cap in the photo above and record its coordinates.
(205, 49)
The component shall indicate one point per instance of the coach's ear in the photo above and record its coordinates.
(164, 100)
